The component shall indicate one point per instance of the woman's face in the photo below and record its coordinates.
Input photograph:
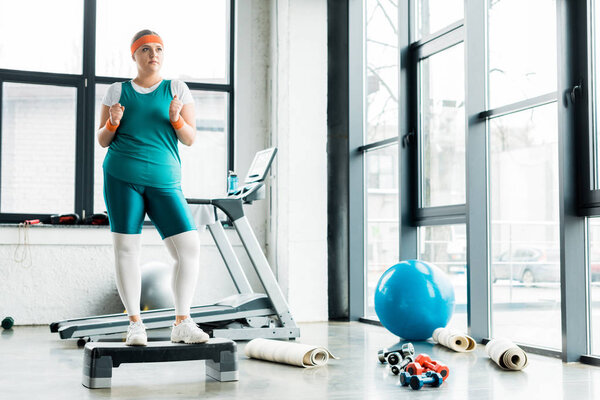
(149, 57)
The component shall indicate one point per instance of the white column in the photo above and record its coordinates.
(299, 130)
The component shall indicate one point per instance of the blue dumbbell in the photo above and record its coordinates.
(404, 378)
(434, 379)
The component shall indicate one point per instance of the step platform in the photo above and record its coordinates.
(100, 358)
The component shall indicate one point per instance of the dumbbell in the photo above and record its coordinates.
(393, 358)
(403, 351)
(397, 368)
(425, 361)
(382, 355)
(414, 368)
(407, 349)
(404, 378)
(8, 322)
(434, 379)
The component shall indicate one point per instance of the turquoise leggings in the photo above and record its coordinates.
(127, 205)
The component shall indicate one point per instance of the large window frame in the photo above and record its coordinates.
(577, 198)
(85, 84)
(582, 199)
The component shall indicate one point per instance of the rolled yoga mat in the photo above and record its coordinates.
(454, 340)
(506, 354)
(302, 355)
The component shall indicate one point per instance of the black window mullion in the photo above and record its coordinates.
(79, 150)
(86, 136)
(230, 111)
(39, 78)
(208, 87)
(407, 150)
(1, 107)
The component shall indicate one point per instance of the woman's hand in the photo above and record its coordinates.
(175, 109)
(116, 113)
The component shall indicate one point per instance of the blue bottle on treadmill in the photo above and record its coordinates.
(232, 182)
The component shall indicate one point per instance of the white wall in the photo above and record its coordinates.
(299, 130)
(280, 100)
(69, 272)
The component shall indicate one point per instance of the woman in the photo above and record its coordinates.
(141, 122)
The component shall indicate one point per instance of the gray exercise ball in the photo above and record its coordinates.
(156, 286)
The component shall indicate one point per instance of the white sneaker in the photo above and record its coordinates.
(136, 334)
(188, 332)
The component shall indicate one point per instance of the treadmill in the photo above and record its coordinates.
(242, 316)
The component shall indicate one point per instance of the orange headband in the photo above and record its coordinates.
(145, 39)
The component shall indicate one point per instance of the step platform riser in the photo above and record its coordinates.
(100, 358)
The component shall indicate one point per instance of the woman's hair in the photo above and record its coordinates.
(141, 33)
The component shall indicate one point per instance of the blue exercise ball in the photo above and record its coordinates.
(413, 298)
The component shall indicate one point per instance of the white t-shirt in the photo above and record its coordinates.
(179, 88)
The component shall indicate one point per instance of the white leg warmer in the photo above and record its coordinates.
(128, 275)
(185, 249)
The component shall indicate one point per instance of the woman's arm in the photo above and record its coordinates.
(115, 113)
(104, 135)
(187, 133)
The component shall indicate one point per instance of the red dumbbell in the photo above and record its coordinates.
(414, 368)
(426, 362)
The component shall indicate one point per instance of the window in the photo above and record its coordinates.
(522, 52)
(381, 70)
(196, 40)
(442, 127)
(523, 172)
(204, 165)
(526, 212)
(37, 37)
(380, 149)
(56, 100)
(382, 217)
(433, 15)
(439, 116)
(446, 247)
(38, 148)
(591, 159)
(525, 249)
(594, 284)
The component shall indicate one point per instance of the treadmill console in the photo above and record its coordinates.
(260, 165)
(253, 188)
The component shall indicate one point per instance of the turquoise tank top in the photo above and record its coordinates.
(144, 150)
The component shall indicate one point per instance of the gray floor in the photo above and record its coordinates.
(35, 364)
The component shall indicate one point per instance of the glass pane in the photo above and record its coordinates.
(525, 250)
(433, 15)
(195, 35)
(522, 50)
(382, 241)
(382, 70)
(442, 123)
(594, 243)
(36, 36)
(38, 148)
(203, 165)
(446, 247)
